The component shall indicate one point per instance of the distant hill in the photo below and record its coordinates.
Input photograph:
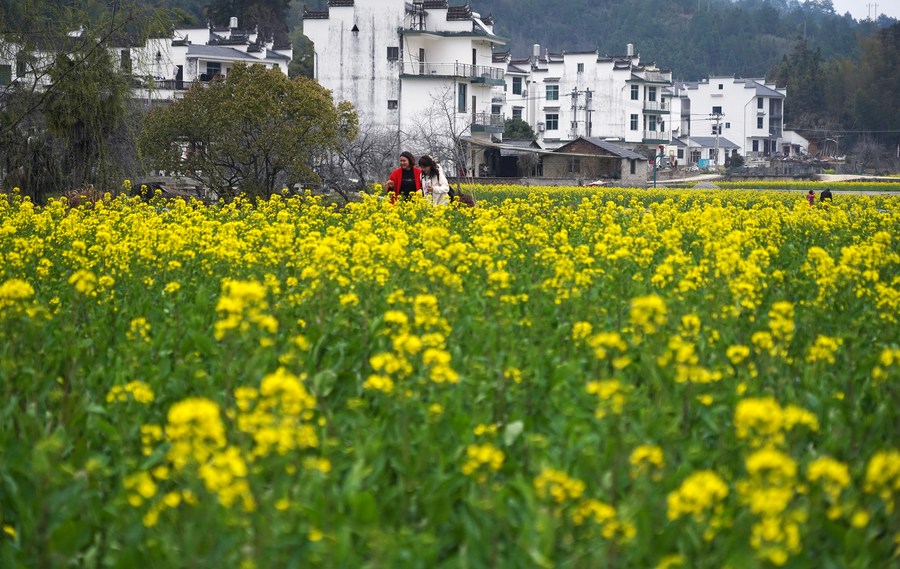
(693, 38)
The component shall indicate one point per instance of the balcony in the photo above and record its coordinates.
(475, 73)
(488, 122)
(656, 136)
(656, 106)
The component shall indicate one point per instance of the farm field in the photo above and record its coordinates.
(564, 377)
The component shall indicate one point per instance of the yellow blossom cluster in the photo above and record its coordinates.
(610, 394)
(883, 477)
(278, 416)
(701, 497)
(419, 342)
(557, 486)
(242, 305)
(481, 460)
(768, 490)
(888, 365)
(647, 459)
(763, 422)
(134, 390)
(16, 298)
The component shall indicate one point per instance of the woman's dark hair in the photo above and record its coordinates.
(409, 156)
(427, 160)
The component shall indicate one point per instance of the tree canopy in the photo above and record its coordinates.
(65, 106)
(517, 129)
(251, 133)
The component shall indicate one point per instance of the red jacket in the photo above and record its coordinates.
(397, 177)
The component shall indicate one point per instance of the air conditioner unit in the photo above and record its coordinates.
(540, 126)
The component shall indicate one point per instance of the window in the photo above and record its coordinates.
(517, 85)
(461, 98)
(755, 146)
(495, 109)
(728, 125)
(717, 110)
(717, 129)
(393, 53)
(633, 166)
(574, 166)
(680, 154)
(759, 103)
(21, 67)
(392, 104)
(5, 74)
(552, 92)
(634, 122)
(213, 68)
(721, 86)
(517, 113)
(635, 92)
(553, 122)
(651, 93)
(581, 68)
(125, 57)
(759, 122)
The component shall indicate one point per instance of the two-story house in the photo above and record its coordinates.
(723, 115)
(168, 66)
(412, 67)
(583, 94)
(162, 67)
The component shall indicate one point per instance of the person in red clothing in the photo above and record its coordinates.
(405, 180)
(811, 197)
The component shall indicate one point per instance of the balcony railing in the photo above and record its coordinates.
(656, 106)
(452, 70)
(656, 135)
(488, 119)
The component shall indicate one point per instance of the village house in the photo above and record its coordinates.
(592, 159)
(721, 116)
(423, 69)
(583, 94)
(164, 68)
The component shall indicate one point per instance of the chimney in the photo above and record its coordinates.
(536, 51)
(233, 23)
(629, 50)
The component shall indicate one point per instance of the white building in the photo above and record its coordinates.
(582, 94)
(745, 116)
(169, 66)
(410, 66)
(163, 67)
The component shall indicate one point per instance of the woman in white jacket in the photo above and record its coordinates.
(434, 182)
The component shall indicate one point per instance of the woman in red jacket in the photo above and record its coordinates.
(405, 180)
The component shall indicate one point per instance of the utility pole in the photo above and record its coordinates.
(575, 110)
(588, 97)
(718, 118)
(869, 7)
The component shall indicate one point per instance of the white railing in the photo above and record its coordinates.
(451, 70)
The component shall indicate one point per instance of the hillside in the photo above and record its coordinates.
(694, 38)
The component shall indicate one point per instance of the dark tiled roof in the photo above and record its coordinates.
(613, 149)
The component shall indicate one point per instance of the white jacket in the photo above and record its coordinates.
(439, 185)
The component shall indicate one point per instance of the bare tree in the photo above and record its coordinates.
(441, 132)
(868, 153)
(359, 161)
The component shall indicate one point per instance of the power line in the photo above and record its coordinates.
(843, 131)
